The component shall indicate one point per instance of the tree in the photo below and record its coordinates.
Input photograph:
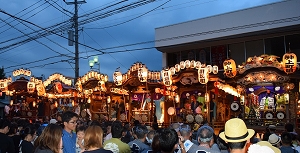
(2, 74)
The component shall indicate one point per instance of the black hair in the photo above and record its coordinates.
(4, 123)
(116, 129)
(236, 145)
(80, 128)
(286, 138)
(26, 131)
(68, 115)
(140, 131)
(168, 138)
(13, 128)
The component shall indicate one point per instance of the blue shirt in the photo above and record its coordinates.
(69, 142)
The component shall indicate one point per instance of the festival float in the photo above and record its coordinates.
(265, 89)
(59, 95)
(93, 100)
(141, 101)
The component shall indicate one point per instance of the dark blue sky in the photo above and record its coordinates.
(129, 33)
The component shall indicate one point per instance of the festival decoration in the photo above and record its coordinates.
(117, 78)
(167, 77)
(229, 68)
(289, 63)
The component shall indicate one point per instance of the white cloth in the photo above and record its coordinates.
(6, 109)
(107, 137)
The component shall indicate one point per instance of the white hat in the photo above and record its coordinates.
(274, 139)
(53, 121)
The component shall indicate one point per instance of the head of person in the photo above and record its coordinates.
(28, 133)
(93, 137)
(80, 132)
(50, 138)
(274, 140)
(155, 144)
(116, 129)
(286, 139)
(140, 131)
(205, 135)
(69, 120)
(185, 131)
(150, 136)
(263, 146)
(168, 140)
(4, 125)
(236, 134)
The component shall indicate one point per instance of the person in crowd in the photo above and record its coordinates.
(28, 134)
(139, 144)
(169, 140)
(41, 128)
(266, 134)
(236, 135)
(286, 139)
(124, 138)
(50, 140)
(69, 119)
(289, 127)
(108, 131)
(7, 144)
(272, 128)
(223, 146)
(205, 136)
(155, 143)
(93, 139)
(186, 133)
(149, 137)
(13, 134)
(262, 147)
(115, 144)
(274, 140)
(80, 132)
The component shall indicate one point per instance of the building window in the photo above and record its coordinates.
(254, 48)
(293, 42)
(275, 46)
(203, 55)
(237, 52)
(218, 55)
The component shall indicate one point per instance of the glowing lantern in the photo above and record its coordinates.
(177, 67)
(187, 63)
(289, 62)
(11, 102)
(182, 65)
(167, 77)
(30, 87)
(203, 75)
(33, 104)
(108, 99)
(229, 68)
(142, 74)
(215, 69)
(172, 70)
(198, 65)
(210, 68)
(206, 97)
(193, 64)
(117, 78)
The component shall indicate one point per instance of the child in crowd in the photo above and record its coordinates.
(80, 139)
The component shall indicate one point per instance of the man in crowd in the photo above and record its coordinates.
(168, 140)
(139, 144)
(69, 120)
(186, 133)
(115, 144)
(6, 143)
(286, 139)
(205, 136)
(236, 135)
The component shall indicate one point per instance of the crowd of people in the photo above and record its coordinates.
(71, 135)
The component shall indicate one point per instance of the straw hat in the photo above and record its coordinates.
(236, 131)
(267, 144)
(274, 139)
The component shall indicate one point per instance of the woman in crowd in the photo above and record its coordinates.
(50, 141)
(28, 134)
(93, 139)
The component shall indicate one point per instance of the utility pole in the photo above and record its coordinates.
(75, 20)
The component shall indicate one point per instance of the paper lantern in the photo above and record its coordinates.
(215, 69)
(206, 97)
(182, 65)
(30, 87)
(171, 111)
(117, 78)
(187, 63)
(167, 77)
(203, 75)
(193, 64)
(229, 68)
(142, 74)
(289, 63)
